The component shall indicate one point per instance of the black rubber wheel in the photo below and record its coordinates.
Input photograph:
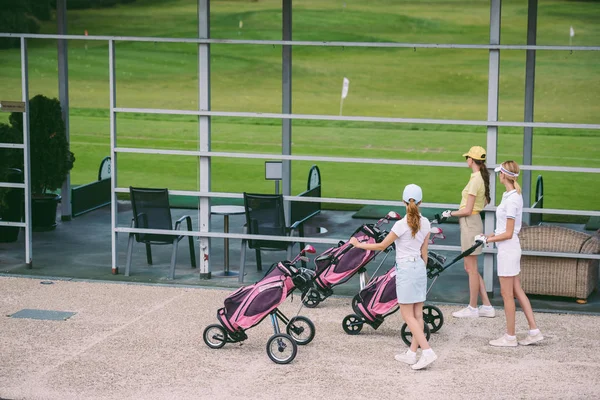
(433, 317)
(311, 298)
(301, 329)
(215, 336)
(281, 348)
(352, 324)
(407, 334)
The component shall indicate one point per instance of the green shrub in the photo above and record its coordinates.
(50, 157)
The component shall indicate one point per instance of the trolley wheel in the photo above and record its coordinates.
(311, 298)
(281, 348)
(301, 329)
(407, 334)
(352, 324)
(215, 336)
(433, 317)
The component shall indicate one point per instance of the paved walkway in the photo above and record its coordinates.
(145, 342)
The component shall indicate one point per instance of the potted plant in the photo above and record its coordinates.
(50, 158)
(11, 199)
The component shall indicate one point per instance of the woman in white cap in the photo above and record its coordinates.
(508, 224)
(474, 197)
(411, 237)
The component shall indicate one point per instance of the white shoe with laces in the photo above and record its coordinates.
(425, 360)
(504, 341)
(531, 339)
(485, 311)
(407, 358)
(466, 312)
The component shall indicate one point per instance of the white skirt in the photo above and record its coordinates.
(411, 281)
(509, 259)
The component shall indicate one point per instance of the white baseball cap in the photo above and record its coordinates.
(412, 191)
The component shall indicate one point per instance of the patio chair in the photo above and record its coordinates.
(151, 210)
(264, 216)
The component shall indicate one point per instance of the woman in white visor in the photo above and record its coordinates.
(508, 224)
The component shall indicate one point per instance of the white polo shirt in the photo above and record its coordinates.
(406, 244)
(511, 206)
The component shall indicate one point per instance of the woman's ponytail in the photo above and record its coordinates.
(485, 175)
(413, 217)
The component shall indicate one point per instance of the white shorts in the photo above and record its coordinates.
(509, 260)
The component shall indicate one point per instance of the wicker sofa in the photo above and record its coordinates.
(568, 277)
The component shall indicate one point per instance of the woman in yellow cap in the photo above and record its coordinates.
(474, 197)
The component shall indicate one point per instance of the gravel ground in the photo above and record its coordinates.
(145, 342)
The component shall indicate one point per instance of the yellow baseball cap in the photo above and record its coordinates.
(476, 153)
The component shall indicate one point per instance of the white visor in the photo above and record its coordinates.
(500, 168)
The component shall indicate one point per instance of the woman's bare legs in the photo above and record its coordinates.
(508, 296)
(476, 284)
(416, 327)
(418, 313)
(524, 302)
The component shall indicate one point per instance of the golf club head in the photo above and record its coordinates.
(308, 249)
(393, 215)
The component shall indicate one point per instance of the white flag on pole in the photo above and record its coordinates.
(572, 32)
(345, 86)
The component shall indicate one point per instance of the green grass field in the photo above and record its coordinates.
(448, 84)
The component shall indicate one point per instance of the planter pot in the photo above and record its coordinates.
(43, 212)
(12, 211)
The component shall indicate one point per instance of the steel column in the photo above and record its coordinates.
(286, 105)
(113, 154)
(63, 95)
(26, 152)
(204, 134)
(529, 104)
(492, 133)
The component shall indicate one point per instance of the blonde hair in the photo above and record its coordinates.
(514, 168)
(413, 217)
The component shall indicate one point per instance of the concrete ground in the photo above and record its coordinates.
(140, 337)
(134, 341)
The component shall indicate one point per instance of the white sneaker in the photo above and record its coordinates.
(488, 312)
(504, 341)
(425, 360)
(531, 339)
(466, 312)
(407, 358)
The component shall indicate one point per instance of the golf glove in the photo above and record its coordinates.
(481, 238)
(447, 214)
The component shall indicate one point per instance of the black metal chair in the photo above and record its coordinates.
(264, 216)
(151, 210)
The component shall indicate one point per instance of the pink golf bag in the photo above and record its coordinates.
(338, 264)
(249, 305)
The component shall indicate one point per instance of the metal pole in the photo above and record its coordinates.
(529, 104)
(286, 92)
(63, 95)
(26, 153)
(113, 154)
(492, 133)
(204, 134)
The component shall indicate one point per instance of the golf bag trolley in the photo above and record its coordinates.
(249, 305)
(338, 264)
(378, 300)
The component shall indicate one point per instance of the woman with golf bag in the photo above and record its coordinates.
(474, 197)
(508, 224)
(410, 236)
